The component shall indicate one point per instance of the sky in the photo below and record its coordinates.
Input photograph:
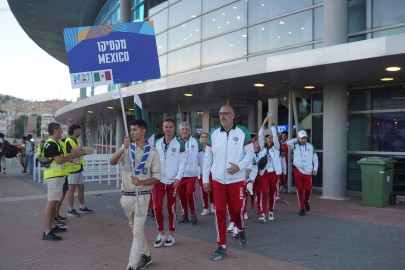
(27, 71)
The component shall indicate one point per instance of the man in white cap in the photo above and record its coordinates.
(305, 163)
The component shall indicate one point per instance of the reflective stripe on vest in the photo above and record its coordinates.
(56, 169)
(72, 167)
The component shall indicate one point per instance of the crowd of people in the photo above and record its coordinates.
(228, 164)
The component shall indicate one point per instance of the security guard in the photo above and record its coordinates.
(75, 177)
(55, 177)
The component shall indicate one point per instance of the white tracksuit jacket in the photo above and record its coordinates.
(194, 157)
(273, 158)
(223, 147)
(172, 159)
(305, 159)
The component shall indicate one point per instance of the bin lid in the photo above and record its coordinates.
(376, 161)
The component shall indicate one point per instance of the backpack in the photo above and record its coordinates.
(9, 150)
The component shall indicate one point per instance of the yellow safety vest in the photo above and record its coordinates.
(40, 150)
(71, 165)
(56, 169)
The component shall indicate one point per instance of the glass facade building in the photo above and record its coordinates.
(193, 36)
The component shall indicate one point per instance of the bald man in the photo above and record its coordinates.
(228, 154)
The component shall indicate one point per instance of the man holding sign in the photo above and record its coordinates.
(136, 188)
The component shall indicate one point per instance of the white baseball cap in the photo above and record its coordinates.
(302, 134)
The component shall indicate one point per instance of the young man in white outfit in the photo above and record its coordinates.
(305, 166)
(172, 160)
(186, 187)
(270, 174)
(136, 188)
(228, 153)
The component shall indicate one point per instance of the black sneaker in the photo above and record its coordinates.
(59, 217)
(51, 236)
(302, 212)
(59, 223)
(57, 229)
(85, 210)
(218, 254)
(145, 260)
(243, 239)
(184, 221)
(73, 213)
(307, 207)
(193, 219)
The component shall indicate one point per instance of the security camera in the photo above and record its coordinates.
(286, 82)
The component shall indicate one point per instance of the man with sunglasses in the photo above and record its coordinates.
(228, 153)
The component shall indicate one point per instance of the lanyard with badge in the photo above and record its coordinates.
(303, 156)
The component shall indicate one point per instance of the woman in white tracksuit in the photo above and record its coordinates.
(270, 174)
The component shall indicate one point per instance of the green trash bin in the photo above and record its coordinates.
(377, 176)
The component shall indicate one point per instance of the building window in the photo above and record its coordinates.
(388, 12)
(210, 5)
(357, 16)
(283, 32)
(160, 21)
(226, 47)
(183, 11)
(184, 59)
(261, 10)
(161, 43)
(184, 34)
(225, 19)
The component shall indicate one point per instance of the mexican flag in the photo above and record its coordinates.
(140, 113)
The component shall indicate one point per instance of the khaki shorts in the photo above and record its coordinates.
(55, 188)
(76, 178)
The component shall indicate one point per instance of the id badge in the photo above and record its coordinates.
(304, 162)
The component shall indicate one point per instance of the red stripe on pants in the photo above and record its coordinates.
(159, 192)
(204, 194)
(231, 197)
(186, 192)
(303, 183)
(269, 189)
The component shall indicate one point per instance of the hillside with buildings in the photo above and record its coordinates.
(23, 116)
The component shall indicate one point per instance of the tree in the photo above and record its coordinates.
(19, 126)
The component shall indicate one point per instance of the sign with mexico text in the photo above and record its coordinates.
(107, 54)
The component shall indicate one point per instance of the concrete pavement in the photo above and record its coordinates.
(334, 235)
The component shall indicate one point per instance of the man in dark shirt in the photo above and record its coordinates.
(54, 178)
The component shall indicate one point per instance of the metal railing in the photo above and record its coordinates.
(96, 169)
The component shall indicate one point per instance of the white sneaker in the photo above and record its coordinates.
(212, 208)
(205, 212)
(262, 218)
(230, 227)
(159, 240)
(170, 241)
(277, 198)
(245, 216)
(235, 232)
(249, 188)
(271, 216)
